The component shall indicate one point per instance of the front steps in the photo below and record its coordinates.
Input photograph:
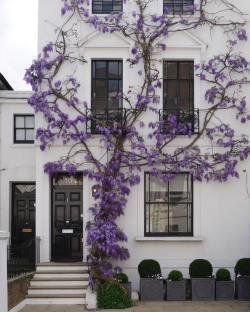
(58, 283)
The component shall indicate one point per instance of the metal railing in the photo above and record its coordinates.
(21, 259)
(107, 118)
(185, 120)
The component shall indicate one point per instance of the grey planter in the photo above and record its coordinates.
(243, 288)
(151, 289)
(176, 290)
(224, 290)
(203, 289)
(128, 288)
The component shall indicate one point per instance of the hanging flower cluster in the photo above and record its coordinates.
(124, 148)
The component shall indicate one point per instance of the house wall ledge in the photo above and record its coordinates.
(170, 239)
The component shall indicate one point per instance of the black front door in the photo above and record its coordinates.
(67, 222)
(23, 213)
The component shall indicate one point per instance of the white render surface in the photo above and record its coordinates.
(4, 236)
(221, 216)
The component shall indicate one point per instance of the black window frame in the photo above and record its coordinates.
(102, 11)
(16, 141)
(108, 114)
(181, 3)
(191, 203)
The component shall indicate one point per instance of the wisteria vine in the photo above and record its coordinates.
(125, 150)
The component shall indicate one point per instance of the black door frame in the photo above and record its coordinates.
(52, 257)
(13, 184)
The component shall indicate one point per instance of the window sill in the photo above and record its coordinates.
(170, 239)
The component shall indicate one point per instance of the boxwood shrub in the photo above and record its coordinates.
(175, 276)
(121, 278)
(111, 295)
(149, 268)
(200, 268)
(223, 275)
(242, 267)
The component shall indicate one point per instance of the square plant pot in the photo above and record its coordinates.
(243, 288)
(224, 290)
(176, 290)
(151, 289)
(128, 288)
(203, 289)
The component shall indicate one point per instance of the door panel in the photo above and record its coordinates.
(67, 223)
(23, 213)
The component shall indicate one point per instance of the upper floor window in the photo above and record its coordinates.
(24, 129)
(106, 102)
(106, 6)
(178, 93)
(169, 206)
(178, 6)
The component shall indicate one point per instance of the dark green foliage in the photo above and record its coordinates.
(175, 276)
(223, 275)
(111, 295)
(200, 268)
(242, 267)
(121, 278)
(149, 268)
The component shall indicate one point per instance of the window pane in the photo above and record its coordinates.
(178, 189)
(158, 190)
(158, 218)
(170, 70)
(19, 121)
(172, 90)
(178, 218)
(113, 88)
(185, 70)
(100, 69)
(184, 89)
(113, 69)
(20, 135)
(30, 135)
(100, 89)
(99, 104)
(29, 122)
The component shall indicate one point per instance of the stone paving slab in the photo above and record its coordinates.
(186, 306)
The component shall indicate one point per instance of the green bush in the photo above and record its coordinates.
(149, 268)
(223, 275)
(111, 295)
(200, 268)
(242, 267)
(121, 278)
(175, 276)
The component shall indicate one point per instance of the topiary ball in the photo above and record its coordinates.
(223, 275)
(200, 268)
(121, 278)
(111, 295)
(149, 268)
(175, 276)
(242, 267)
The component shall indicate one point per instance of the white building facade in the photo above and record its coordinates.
(213, 220)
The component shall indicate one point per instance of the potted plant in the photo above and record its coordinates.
(176, 286)
(202, 281)
(242, 274)
(151, 281)
(224, 285)
(122, 279)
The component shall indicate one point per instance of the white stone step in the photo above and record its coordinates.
(59, 282)
(41, 267)
(60, 268)
(55, 299)
(57, 290)
(62, 274)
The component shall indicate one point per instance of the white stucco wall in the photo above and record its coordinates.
(17, 161)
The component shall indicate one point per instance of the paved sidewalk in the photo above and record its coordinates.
(187, 306)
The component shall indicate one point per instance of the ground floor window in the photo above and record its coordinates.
(168, 206)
